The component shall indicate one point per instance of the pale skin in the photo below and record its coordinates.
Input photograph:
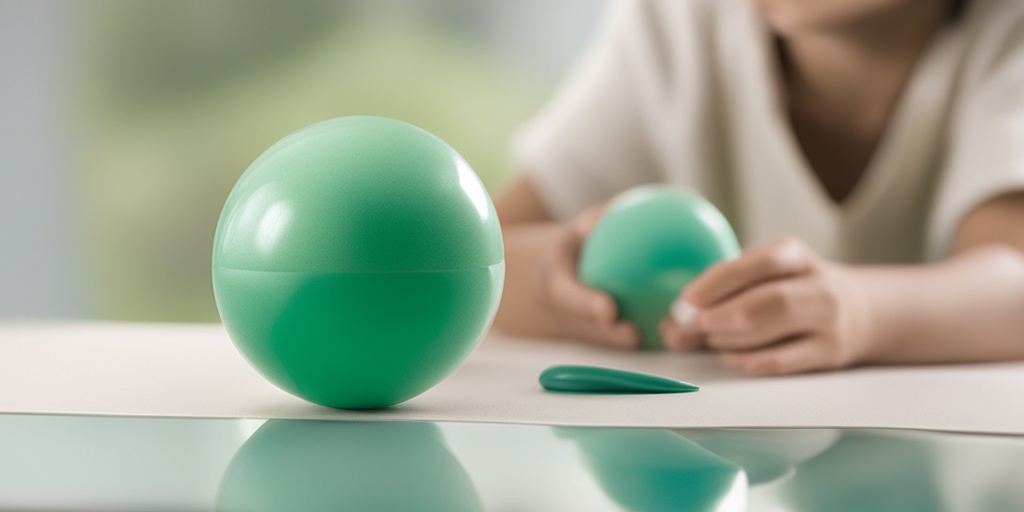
(780, 308)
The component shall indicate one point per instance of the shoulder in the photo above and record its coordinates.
(659, 37)
(663, 23)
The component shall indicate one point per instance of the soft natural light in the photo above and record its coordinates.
(272, 225)
(469, 182)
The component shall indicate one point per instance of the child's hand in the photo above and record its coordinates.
(580, 311)
(776, 309)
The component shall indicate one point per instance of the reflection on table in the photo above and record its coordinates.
(321, 465)
(658, 470)
(106, 463)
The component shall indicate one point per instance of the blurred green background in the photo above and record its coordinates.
(125, 124)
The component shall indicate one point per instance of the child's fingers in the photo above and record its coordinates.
(585, 312)
(573, 297)
(591, 313)
(619, 335)
(795, 356)
(762, 315)
(594, 315)
(565, 292)
(679, 338)
(785, 257)
(584, 223)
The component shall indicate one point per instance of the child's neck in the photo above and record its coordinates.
(843, 84)
(857, 72)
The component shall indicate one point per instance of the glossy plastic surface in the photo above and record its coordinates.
(646, 470)
(357, 262)
(358, 194)
(651, 242)
(128, 464)
(595, 379)
(328, 465)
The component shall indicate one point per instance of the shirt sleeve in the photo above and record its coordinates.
(986, 152)
(590, 141)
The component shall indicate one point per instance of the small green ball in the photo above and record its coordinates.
(357, 262)
(650, 242)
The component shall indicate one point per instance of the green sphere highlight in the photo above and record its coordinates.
(650, 242)
(357, 262)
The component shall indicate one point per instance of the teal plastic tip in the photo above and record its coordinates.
(595, 379)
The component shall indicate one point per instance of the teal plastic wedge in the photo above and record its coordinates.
(650, 242)
(357, 262)
(595, 379)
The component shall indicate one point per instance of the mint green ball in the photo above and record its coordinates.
(357, 262)
(650, 242)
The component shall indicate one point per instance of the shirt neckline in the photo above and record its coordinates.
(883, 163)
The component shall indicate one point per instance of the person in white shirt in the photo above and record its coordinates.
(869, 154)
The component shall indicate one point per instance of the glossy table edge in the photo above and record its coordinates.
(58, 462)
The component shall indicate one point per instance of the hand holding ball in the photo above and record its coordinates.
(649, 244)
(357, 262)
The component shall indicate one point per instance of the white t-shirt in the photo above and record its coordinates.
(687, 92)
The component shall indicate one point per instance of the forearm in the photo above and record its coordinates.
(520, 311)
(967, 308)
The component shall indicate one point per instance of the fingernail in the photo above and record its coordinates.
(684, 314)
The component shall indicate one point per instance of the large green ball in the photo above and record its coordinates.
(357, 262)
(650, 242)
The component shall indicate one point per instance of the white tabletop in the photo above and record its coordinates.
(183, 370)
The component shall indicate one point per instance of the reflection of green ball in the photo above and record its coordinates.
(357, 262)
(340, 465)
(652, 470)
(650, 243)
